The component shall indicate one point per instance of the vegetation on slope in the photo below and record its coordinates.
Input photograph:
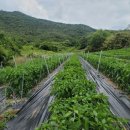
(106, 40)
(8, 48)
(30, 30)
(18, 29)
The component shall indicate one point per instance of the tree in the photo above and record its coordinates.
(96, 40)
(83, 43)
(117, 41)
(3, 54)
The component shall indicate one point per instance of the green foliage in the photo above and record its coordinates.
(8, 48)
(5, 117)
(118, 53)
(51, 46)
(105, 40)
(27, 74)
(48, 47)
(9, 44)
(117, 41)
(83, 42)
(77, 104)
(52, 36)
(31, 30)
(30, 50)
(117, 69)
(96, 40)
(2, 125)
(3, 54)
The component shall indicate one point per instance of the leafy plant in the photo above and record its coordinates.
(27, 75)
(117, 69)
(77, 105)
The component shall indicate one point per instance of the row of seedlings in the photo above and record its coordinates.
(77, 106)
(25, 76)
(117, 70)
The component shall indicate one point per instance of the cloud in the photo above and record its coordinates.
(106, 14)
(31, 7)
(96, 13)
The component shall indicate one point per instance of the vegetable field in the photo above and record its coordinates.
(120, 53)
(69, 100)
(24, 77)
(77, 104)
(117, 69)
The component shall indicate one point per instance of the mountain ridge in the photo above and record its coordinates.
(17, 23)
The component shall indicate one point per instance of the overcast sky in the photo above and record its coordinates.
(101, 14)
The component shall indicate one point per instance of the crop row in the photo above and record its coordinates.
(120, 53)
(117, 70)
(23, 78)
(77, 106)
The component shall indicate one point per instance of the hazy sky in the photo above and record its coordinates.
(105, 14)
